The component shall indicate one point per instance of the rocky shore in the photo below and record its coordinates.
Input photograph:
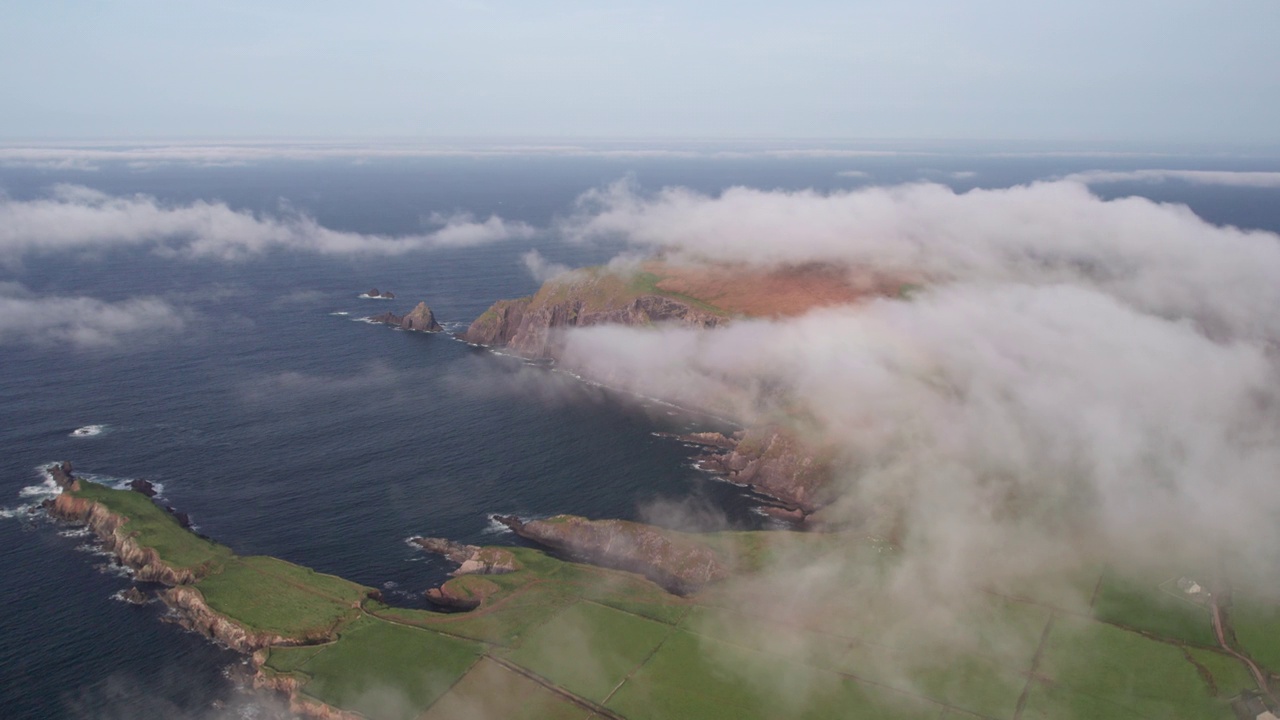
(675, 561)
(772, 460)
(420, 319)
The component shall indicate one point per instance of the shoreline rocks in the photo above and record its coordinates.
(420, 319)
(675, 561)
(375, 295)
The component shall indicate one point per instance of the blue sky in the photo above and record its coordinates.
(1119, 71)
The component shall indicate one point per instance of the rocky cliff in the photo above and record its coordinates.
(676, 561)
(195, 614)
(773, 462)
(108, 526)
(531, 326)
(420, 318)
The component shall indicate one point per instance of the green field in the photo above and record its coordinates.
(270, 595)
(561, 640)
(152, 527)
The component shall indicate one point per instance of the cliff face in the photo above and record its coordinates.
(529, 326)
(677, 562)
(194, 614)
(420, 318)
(774, 463)
(145, 562)
(288, 685)
(498, 324)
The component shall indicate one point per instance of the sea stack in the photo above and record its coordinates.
(387, 295)
(420, 318)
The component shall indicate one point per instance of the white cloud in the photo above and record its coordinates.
(1079, 381)
(542, 269)
(83, 322)
(1231, 178)
(74, 217)
(1159, 257)
(856, 174)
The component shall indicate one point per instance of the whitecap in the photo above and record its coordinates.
(494, 527)
(340, 313)
(88, 431)
(13, 512)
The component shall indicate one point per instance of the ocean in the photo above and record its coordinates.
(283, 425)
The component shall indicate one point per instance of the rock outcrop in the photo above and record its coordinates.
(499, 324)
(420, 318)
(774, 463)
(63, 476)
(386, 295)
(676, 561)
(471, 559)
(531, 326)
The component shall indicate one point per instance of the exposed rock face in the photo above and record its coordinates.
(388, 295)
(62, 476)
(471, 559)
(420, 318)
(194, 614)
(144, 487)
(108, 526)
(529, 326)
(300, 706)
(499, 324)
(705, 439)
(134, 596)
(673, 560)
(774, 463)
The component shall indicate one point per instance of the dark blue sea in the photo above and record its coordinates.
(284, 426)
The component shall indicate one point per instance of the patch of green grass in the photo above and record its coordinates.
(1140, 603)
(387, 671)
(270, 595)
(155, 528)
(503, 622)
(589, 648)
(489, 690)
(1230, 676)
(1257, 626)
(1097, 667)
(692, 677)
(290, 658)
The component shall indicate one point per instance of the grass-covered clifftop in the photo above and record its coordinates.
(555, 639)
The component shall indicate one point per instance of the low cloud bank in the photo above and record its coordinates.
(77, 218)
(1231, 178)
(83, 322)
(1160, 258)
(1080, 381)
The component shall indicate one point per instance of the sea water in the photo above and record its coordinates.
(284, 428)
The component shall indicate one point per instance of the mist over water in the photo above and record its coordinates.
(283, 427)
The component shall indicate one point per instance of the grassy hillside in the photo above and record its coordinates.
(563, 640)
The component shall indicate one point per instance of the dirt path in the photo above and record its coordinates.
(1258, 676)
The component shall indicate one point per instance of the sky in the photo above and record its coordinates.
(1173, 71)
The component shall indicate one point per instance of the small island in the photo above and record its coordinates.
(420, 319)
(375, 294)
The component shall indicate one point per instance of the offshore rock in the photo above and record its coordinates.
(676, 561)
(471, 559)
(388, 295)
(63, 476)
(420, 318)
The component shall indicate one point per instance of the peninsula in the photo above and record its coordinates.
(545, 636)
